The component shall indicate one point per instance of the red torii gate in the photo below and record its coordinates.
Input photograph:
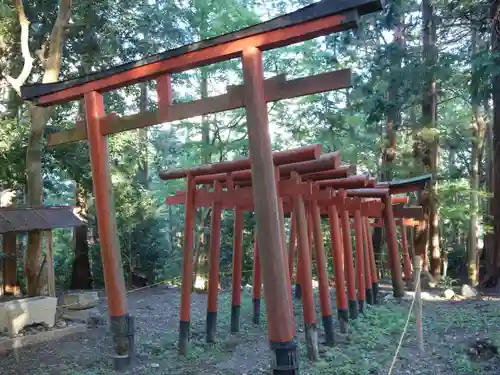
(322, 18)
(241, 199)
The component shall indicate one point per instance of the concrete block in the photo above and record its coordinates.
(77, 315)
(17, 314)
(8, 343)
(80, 300)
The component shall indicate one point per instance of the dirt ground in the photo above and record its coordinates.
(450, 329)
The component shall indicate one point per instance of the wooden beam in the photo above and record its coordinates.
(192, 56)
(274, 90)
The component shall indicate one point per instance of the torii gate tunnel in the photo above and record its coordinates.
(322, 18)
(307, 190)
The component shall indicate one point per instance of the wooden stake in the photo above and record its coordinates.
(417, 266)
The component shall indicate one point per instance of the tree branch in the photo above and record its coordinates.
(16, 83)
(53, 62)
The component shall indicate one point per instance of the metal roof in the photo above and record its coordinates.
(25, 219)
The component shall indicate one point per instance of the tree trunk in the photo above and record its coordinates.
(81, 277)
(478, 133)
(428, 145)
(489, 240)
(39, 118)
(393, 120)
(495, 45)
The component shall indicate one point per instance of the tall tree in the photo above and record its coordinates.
(477, 145)
(427, 142)
(495, 47)
(50, 65)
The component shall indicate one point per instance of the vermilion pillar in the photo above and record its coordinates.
(360, 260)
(291, 246)
(349, 265)
(367, 265)
(237, 269)
(187, 270)
(121, 322)
(213, 261)
(257, 284)
(304, 263)
(283, 247)
(324, 289)
(338, 259)
(373, 265)
(274, 269)
(392, 244)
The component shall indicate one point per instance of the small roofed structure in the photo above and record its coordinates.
(14, 220)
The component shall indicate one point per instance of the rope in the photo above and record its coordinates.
(394, 359)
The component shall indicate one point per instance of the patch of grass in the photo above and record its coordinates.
(369, 347)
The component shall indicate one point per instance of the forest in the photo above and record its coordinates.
(425, 99)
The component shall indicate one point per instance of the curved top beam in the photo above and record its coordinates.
(317, 19)
(280, 157)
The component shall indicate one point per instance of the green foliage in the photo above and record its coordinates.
(108, 33)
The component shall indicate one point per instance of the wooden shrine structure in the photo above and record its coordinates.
(321, 18)
(15, 220)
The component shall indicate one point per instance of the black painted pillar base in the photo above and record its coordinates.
(211, 325)
(343, 320)
(183, 337)
(256, 311)
(361, 305)
(298, 291)
(328, 327)
(353, 309)
(369, 296)
(311, 341)
(235, 318)
(375, 289)
(285, 358)
(122, 330)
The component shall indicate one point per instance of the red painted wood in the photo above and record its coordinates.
(210, 55)
(237, 256)
(337, 257)
(360, 257)
(108, 235)
(366, 254)
(353, 182)
(321, 270)
(257, 276)
(269, 236)
(348, 256)
(304, 262)
(324, 163)
(214, 255)
(187, 268)
(283, 245)
(392, 244)
(165, 97)
(291, 246)
(278, 158)
(373, 265)
(342, 171)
